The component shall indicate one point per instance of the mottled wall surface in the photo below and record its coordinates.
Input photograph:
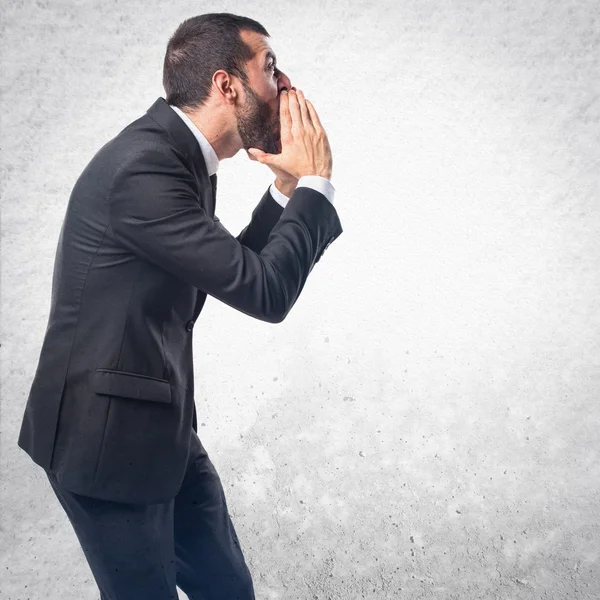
(425, 422)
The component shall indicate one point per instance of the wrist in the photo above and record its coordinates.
(286, 186)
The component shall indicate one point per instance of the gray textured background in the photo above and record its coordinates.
(425, 422)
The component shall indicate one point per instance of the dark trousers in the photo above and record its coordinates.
(142, 551)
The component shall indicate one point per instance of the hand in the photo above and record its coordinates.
(305, 149)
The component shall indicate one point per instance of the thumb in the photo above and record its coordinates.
(262, 157)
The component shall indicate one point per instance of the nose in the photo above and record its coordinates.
(283, 82)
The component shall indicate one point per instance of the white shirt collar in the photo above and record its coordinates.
(210, 156)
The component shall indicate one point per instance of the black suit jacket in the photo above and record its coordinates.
(111, 408)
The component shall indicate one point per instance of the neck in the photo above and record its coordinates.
(217, 128)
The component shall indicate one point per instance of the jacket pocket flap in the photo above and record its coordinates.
(131, 385)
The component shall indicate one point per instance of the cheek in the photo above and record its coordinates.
(271, 87)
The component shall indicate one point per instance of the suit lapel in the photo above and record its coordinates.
(213, 181)
(189, 149)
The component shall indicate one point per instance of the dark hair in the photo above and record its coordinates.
(200, 46)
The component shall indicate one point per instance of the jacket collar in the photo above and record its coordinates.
(187, 144)
(180, 133)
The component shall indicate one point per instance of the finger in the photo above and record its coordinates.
(251, 157)
(263, 157)
(303, 108)
(295, 109)
(314, 117)
(284, 112)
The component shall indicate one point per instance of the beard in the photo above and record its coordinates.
(258, 128)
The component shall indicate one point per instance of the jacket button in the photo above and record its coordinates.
(189, 326)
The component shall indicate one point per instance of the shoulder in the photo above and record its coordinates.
(142, 142)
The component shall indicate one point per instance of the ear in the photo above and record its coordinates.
(225, 86)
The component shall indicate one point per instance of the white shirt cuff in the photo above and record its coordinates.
(280, 198)
(319, 184)
(314, 182)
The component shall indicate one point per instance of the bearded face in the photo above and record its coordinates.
(257, 125)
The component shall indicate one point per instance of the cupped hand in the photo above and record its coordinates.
(305, 148)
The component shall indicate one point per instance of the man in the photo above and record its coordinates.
(111, 415)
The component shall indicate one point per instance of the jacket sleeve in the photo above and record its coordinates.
(256, 234)
(156, 214)
(264, 217)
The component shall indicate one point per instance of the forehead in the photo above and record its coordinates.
(258, 43)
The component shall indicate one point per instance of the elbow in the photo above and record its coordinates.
(279, 311)
(276, 316)
(278, 305)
